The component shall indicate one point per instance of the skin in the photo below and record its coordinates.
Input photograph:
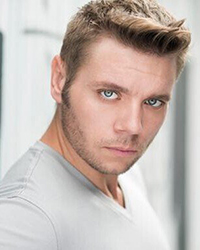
(118, 102)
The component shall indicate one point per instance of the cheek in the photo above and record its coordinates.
(94, 120)
(93, 113)
(153, 122)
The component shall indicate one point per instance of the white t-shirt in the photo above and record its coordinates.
(47, 204)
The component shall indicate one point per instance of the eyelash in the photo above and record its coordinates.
(100, 92)
(157, 100)
(162, 103)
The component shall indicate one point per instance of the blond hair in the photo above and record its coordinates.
(142, 24)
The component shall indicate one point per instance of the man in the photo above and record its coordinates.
(112, 83)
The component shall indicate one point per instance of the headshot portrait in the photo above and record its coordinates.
(95, 113)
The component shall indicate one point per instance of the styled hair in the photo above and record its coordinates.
(142, 24)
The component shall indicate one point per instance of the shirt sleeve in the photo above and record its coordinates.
(24, 226)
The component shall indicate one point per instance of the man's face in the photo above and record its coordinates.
(118, 102)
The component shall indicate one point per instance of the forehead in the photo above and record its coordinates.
(108, 58)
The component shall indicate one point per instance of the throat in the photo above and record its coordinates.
(116, 194)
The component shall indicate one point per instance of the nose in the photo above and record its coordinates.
(129, 120)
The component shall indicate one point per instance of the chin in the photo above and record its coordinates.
(113, 171)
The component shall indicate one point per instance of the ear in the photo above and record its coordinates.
(58, 76)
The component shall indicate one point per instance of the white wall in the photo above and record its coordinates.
(193, 135)
(190, 9)
(33, 31)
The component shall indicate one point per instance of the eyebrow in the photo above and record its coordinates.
(110, 85)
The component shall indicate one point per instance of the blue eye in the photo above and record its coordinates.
(109, 94)
(154, 103)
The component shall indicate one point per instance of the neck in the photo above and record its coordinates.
(55, 138)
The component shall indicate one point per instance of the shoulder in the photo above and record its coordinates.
(35, 176)
(16, 179)
(25, 226)
(25, 223)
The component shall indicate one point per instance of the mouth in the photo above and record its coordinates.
(121, 151)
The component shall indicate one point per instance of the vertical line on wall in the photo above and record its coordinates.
(180, 158)
(1, 65)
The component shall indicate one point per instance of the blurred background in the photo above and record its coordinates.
(31, 33)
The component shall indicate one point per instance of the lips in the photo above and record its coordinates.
(121, 151)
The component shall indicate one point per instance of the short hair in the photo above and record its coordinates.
(142, 24)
